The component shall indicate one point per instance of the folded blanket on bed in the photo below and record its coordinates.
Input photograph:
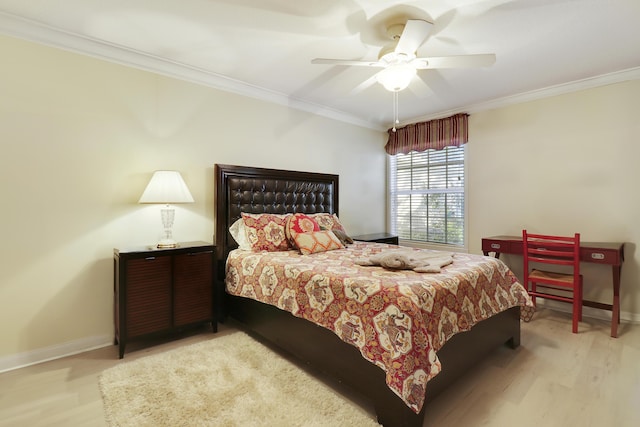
(406, 259)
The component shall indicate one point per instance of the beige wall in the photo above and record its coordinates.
(561, 165)
(81, 137)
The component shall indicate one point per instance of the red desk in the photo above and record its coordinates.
(608, 253)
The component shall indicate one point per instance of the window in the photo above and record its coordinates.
(427, 196)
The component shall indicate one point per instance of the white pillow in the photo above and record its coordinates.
(239, 235)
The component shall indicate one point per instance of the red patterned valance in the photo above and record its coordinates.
(434, 134)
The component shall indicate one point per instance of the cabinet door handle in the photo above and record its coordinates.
(150, 258)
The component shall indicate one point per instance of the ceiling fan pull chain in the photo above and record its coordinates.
(395, 111)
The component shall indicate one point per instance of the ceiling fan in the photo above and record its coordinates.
(399, 61)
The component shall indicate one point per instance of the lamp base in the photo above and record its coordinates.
(167, 243)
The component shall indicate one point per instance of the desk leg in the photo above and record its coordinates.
(615, 312)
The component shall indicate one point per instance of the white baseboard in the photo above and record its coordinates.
(33, 357)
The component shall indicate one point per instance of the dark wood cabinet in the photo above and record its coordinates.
(160, 291)
(378, 238)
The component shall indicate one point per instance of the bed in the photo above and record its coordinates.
(257, 191)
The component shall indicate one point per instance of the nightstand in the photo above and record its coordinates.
(378, 238)
(162, 291)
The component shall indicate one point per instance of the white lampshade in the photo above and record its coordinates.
(166, 187)
(396, 77)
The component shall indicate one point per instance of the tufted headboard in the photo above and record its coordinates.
(258, 190)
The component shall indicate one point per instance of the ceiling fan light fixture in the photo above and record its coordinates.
(396, 77)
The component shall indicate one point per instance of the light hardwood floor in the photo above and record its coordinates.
(555, 378)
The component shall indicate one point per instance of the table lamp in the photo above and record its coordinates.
(166, 187)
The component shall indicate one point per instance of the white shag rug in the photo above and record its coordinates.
(227, 381)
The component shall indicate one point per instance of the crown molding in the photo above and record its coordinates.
(564, 88)
(41, 33)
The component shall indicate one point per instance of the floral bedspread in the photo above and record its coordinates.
(397, 319)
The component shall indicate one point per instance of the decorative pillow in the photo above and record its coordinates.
(266, 232)
(317, 241)
(328, 221)
(239, 234)
(300, 223)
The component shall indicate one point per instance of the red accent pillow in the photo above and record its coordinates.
(301, 223)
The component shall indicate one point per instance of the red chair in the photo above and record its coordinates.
(545, 251)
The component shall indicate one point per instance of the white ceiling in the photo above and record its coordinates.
(264, 48)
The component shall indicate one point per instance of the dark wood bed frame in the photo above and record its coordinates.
(246, 189)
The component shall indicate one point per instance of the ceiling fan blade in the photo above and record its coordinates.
(415, 33)
(346, 62)
(456, 61)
